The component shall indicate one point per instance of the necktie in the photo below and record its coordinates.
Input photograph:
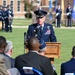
(41, 30)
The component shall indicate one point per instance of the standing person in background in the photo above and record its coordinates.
(69, 15)
(10, 17)
(1, 15)
(5, 18)
(58, 15)
(68, 68)
(41, 29)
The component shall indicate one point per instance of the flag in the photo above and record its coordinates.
(73, 14)
(55, 5)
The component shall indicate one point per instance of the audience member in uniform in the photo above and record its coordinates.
(69, 66)
(34, 59)
(8, 51)
(69, 11)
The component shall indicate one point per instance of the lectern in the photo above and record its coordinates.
(53, 50)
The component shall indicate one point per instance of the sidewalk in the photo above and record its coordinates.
(53, 27)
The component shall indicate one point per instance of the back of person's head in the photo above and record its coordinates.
(9, 46)
(33, 44)
(2, 43)
(73, 51)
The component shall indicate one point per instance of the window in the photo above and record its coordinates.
(4, 2)
(18, 5)
(11, 3)
(39, 1)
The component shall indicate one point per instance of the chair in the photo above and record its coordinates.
(69, 74)
(30, 71)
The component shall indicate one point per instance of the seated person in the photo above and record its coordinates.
(3, 70)
(2, 49)
(69, 66)
(34, 59)
(8, 51)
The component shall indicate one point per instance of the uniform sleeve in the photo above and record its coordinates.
(52, 36)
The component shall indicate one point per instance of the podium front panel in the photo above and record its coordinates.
(53, 50)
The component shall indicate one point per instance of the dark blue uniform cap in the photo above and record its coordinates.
(40, 13)
(42, 44)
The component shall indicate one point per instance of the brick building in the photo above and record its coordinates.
(18, 5)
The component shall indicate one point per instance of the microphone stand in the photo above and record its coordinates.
(25, 40)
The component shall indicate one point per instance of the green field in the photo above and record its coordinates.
(65, 36)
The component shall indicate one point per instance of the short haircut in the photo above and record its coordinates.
(73, 51)
(2, 41)
(9, 46)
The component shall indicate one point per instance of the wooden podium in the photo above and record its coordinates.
(53, 50)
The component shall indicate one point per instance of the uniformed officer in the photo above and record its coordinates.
(41, 30)
(5, 18)
(10, 17)
(58, 15)
(1, 15)
(69, 15)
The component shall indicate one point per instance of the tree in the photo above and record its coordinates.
(27, 6)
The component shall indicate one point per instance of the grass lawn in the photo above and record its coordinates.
(65, 36)
(21, 22)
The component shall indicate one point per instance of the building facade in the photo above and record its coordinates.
(18, 5)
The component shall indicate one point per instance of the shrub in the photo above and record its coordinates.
(28, 15)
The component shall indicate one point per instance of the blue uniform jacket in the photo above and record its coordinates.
(60, 12)
(68, 67)
(5, 15)
(47, 35)
(69, 11)
(10, 13)
(1, 15)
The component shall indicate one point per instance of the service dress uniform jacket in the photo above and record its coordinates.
(33, 59)
(5, 18)
(10, 19)
(1, 15)
(47, 33)
(68, 67)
